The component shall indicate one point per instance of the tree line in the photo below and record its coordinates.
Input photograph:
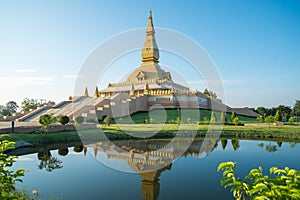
(279, 113)
(27, 104)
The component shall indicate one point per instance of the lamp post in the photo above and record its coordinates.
(12, 126)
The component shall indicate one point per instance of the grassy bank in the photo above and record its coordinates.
(118, 132)
(170, 115)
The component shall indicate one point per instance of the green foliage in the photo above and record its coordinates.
(28, 104)
(63, 119)
(46, 120)
(233, 115)
(206, 120)
(236, 121)
(269, 119)
(223, 117)
(260, 118)
(292, 119)
(178, 120)
(79, 120)
(282, 184)
(213, 117)
(172, 114)
(10, 108)
(296, 108)
(188, 120)
(150, 120)
(278, 116)
(284, 110)
(107, 120)
(8, 177)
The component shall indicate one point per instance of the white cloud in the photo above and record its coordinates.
(70, 76)
(24, 70)
(26, 80)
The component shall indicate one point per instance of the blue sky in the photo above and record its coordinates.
(254, 44)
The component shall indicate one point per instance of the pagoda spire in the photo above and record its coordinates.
(86, 92)
(150, 28)
(150, 51)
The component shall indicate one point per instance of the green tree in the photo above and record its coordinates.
(282, 184)
(285, 111)
(188, 120)
(269, 119)
(8, 177)
(178, 121)
(236, 121)
(11, 107)
(296, 108)
(278, 116)
(260, 118)
(28, 104)
(46, 120)
(206, 120)
(233, 115)
(3, 111)
(79, 120)
(261, 110)
(107, 120)
(223, 117)
(213, 117)
(64, 119)
(292, 119)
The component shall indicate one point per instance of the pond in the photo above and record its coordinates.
(84, 172)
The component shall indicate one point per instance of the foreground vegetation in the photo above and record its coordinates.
(9, 177)
(281, 184)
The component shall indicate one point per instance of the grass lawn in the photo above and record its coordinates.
(170, 116)
(115, 132)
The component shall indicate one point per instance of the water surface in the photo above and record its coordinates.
(77, 173)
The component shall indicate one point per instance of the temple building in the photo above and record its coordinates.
(150, 79)
(146, 86)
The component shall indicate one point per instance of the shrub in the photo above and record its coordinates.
(107, 120)
(64, 119)
(188, 120)
(233, 115)
(213, 117)
(8, 177)
(278, 116)
(292, 119)
(178, 120)
(46, 120)
(223, 117)
(235, 121)
(206, 120)
(79, 120)
(260, 118)
(281, 184)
